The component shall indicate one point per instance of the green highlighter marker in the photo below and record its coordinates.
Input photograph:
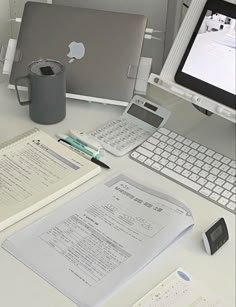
(79, 146)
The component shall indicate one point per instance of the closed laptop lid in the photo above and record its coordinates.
(100, 50)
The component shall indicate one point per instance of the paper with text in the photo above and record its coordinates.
(34, 170)
(180, 290)
(94, 244)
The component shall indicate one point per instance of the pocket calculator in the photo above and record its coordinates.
(140, 119)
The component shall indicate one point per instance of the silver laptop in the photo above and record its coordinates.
(101, 50)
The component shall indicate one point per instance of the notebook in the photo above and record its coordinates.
(35, 170)
(100, 50)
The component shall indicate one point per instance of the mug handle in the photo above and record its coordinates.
(23, 103)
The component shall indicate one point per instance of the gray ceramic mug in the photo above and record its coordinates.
(47, 91)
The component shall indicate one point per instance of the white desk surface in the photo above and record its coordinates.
(19, 286)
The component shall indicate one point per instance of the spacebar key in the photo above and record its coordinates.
(181, 179)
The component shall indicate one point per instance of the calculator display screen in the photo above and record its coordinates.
(145, 115)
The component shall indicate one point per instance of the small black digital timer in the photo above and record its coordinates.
(215, 236)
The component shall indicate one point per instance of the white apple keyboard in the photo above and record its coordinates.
(198, 168)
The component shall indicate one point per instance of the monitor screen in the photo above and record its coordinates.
(208, 65)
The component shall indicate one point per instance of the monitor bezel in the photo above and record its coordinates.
(197, 85)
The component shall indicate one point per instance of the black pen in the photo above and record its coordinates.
(92, 159)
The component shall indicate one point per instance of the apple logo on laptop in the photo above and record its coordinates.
(77, 51)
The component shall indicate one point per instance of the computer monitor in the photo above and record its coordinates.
(201, 64)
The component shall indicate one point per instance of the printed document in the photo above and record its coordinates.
(180, 290)
(35, 170)
(94, 244)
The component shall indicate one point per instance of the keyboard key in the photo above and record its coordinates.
(164, 131)
(210, 152)
(195, 170)
(203, 174)
(202, 181)
(149, 162)
(225, 160)
(171, 165)
(210, 185)
(180, 162)
(202, 149)
(194, 145)
(231, 206)
(185, 148)
(231, 179)
(216, 164)
(165, 154)
(169, 148)
(145, 152)
(142, 158)
(232, 164)
(214, 171)
(218, 189)
(187, 142)
(173, 135)
(170, 141)
(223, 201)
(208, 160)
(163, 138)
(134, 154)
(181, 179)
(233, 198)
(157, 135)
(193, 152)
(227, 194)
(211, 178)
(163, 161)
(157, 166)
(224, 167)
(200, 156)
(156, 158)
(188, 165)
(186, 173)
(228, 186)
(184, 156)
(158, 151)
(178, 145)
(173, 158)
(180, 138)
(219, 181)
(207, 167)
(214, 196)
(198, 163)
(205, 191)
(153, 141)
(194, 177)
(232, 172)
(178, 169)
(218, 156)
(148, 146)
